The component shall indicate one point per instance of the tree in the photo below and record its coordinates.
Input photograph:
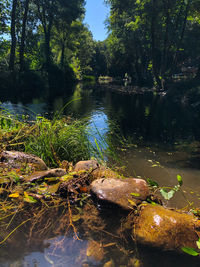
(13, 35)
(23, 35)
(56, 12)
(151, 34)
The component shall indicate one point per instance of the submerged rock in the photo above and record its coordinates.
(45, 174)
(15, 159)
(125, 193)
(87, 165)
(95, 252)
(166, 229)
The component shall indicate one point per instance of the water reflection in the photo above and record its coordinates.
(30, 109)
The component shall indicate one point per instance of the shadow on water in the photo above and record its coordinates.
(164, 134)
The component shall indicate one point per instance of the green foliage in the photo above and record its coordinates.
(58, 140)
(47, 33)
(152, 39)
(190, 251)
(198, 243)
(180, 181)
(152, 183)
(166, 192)
(89, 78)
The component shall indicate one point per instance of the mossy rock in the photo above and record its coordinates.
(16, 159)
(166, 229)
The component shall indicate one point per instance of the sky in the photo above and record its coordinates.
(96, 13)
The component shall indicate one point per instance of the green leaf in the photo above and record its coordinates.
(135, 194)
(176, 188)
(152, 183)
(180, 181)
(28, 198)
(167, 195)
(98, 148)
(190, 251)
(151, 202)
(131, 202)
(198, 243)
(155, 165)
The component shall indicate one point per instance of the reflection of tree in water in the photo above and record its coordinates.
(152, 117)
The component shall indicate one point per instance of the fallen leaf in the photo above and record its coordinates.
(14, 195)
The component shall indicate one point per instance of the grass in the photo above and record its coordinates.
(57, 140)
(54, 140)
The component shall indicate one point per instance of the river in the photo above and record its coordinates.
(163, 134)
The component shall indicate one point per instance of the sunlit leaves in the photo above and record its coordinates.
(167, 194)
(190, 251)
(131, 202)
(14, 195)
(198, 243)
(135, 194)
(28, 198)
(180, 181)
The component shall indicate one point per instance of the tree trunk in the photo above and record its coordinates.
(23, 37)
(166, 39)
(47, 50)
(156, 77)
(13, 36)
(182, 32)
(62, 56)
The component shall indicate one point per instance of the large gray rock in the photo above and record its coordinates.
(16, 159)
(125, 193)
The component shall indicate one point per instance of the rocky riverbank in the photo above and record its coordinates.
(26, 178)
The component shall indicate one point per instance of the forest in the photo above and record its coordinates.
(153, 41)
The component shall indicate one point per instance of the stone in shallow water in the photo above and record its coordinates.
(166, 229)
(15, 159)
(95, 252)
(45, 174)
(87, 165)
(125, 193)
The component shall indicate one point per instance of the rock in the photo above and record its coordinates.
(87, 165)
(45, 174)
(95, 252)
(109, 264)
(125, 193)
(166, 229)
(15, 159)
(103, 172)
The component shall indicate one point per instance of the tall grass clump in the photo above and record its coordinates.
(59, 140)
(52, 140)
